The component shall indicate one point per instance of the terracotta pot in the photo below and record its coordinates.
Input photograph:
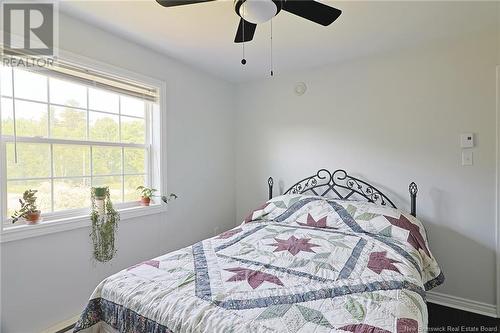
(145, 201)
(33, 217)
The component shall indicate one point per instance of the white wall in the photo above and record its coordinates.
(391, 118)
(47, 279)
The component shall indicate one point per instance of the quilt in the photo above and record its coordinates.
(296, 264)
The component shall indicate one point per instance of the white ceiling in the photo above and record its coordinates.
(202, 35)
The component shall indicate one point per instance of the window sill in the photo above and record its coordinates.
(12, 233)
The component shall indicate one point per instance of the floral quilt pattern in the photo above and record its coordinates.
(296, 264)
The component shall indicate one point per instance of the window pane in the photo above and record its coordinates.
(67, 93)
(102, 100)
(68, 123)
(132, 106)
(114, 184)
(15, 190)
(7, 117)
(134, 160)
(30, 86)
(71, 193)
(106, 160)
(31, 119)
(6, 80)
(131, 183)
(33, 160)
(133, 130)
(103, 127)
(71, 161)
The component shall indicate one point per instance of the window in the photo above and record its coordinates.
(69, 134)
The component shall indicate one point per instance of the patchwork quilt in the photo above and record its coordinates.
(297, 264)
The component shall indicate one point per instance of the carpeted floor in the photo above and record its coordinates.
(444, 319)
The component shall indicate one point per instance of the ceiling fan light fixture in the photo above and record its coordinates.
(257, 11)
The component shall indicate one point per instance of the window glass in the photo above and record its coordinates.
(131, 106)
(68, 123)
(67, 93)
(31, 119)
(33, 160)
(70, 137)
(71, 161)
(71, 193)
(6, 80)
(106, 160)
(134, 159)
(7, 117)
(102, 100)
(104, 127)
(133, 130)
(30, 86)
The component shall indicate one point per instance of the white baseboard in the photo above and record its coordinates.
(462, 304)
(61, 325)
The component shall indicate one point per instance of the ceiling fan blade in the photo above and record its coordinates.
(312, 10)
(249, 29)
(174, 3)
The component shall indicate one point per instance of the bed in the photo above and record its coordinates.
(332, 254)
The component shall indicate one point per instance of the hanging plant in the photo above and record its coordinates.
(104, 223)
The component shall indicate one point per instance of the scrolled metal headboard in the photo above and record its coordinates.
(340, 185)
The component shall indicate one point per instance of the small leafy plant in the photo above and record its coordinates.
(146, 192)
(28, 206)
(166, 199)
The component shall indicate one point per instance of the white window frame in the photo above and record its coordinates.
(156, 163)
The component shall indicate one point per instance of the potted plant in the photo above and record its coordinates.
(146, 194)
(170, 197)
(104, 220)
(29, 210)
(99, 194)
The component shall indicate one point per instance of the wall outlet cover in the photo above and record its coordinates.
(467, 157)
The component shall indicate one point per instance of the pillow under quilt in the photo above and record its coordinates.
(354, 216)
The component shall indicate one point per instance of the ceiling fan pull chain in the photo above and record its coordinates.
(272, 66)
(243, 61)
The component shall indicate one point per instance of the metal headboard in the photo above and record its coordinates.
(340, 185)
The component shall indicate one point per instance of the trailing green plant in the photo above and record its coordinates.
(146, 192)
(166, 199)
(28, 206)
(104, 224)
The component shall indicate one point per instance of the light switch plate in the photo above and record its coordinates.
(467, 157)
(467, 140)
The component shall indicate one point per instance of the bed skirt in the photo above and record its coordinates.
(100, 327)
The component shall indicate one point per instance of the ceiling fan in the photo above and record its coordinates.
(253, 12)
